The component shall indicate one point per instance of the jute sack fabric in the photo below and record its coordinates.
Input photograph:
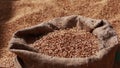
(28, 57)
(117, 58)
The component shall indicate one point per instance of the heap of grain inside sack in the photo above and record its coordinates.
(67, 43)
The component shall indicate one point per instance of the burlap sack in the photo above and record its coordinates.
(117, 58)
(28, 57)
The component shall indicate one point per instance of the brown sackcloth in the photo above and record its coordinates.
(117, 58)
(28, 57)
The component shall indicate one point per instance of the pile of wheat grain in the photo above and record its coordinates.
(67, 43)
